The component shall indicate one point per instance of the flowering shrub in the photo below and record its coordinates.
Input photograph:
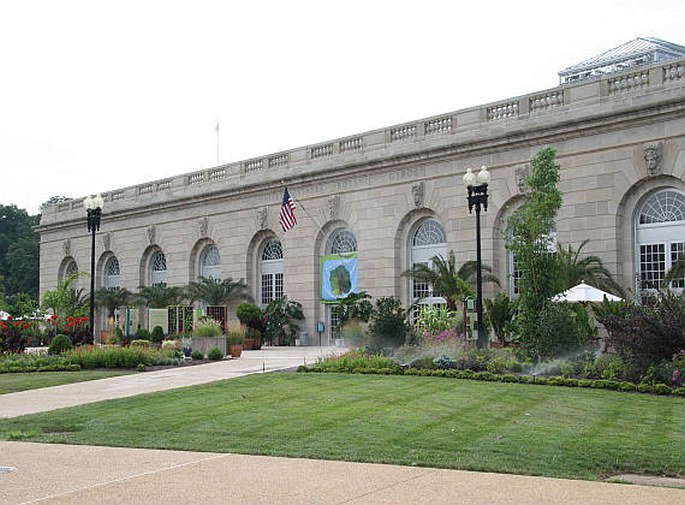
(76, 328)
(13, 335)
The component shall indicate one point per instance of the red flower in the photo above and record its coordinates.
(26, 326)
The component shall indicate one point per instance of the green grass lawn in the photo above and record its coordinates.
(14, 382)
(513, 428)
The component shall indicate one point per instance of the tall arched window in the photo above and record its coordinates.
(271, 272)
(70, 268)
(112, 273)
(427, 241)
(660, 237)
(158, 268)
(342, 241)
(210, 263)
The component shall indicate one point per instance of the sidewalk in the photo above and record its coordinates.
(67, 474)
(268, 359)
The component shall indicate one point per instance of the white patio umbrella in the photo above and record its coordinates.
(583, 293)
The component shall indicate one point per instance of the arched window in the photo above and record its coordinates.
(660, 237)
(70, 268)
(210, 263)
(427, 241)
(112, 273)
(271, 272)
(158, 268)
(342, 241)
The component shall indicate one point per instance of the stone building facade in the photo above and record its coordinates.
(396, 197)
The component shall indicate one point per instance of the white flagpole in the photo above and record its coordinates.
(216, 129)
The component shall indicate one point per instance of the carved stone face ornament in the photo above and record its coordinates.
(417, 191)
(653, 155)
(521, 174)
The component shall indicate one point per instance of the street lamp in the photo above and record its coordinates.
(93, 206)
(477, 187)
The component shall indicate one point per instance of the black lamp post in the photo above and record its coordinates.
(93, 206)
(477, 187)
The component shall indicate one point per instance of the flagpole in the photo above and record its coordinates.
(307, 212)
(217, 142)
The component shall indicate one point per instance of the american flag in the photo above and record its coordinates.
(287, 215)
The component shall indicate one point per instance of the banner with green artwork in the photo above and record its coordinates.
(338, 276)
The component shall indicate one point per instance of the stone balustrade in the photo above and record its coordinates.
(437, 131)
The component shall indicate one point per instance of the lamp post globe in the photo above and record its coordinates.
(477, 188)
(93, 206)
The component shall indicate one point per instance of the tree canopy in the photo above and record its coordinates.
(19, 257)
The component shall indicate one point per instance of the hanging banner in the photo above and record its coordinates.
(338, 276)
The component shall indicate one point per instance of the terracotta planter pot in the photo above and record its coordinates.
(249, 344)
(235, 350)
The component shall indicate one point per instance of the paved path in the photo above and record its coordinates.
(67, 474)
(268, 359)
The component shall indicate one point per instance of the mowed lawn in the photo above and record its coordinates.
(15, 382)
(512, 428)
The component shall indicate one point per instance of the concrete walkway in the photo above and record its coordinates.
(65, 474)
(269, 359)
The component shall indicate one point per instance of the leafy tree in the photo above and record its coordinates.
(20, 304)
(218, 292)
(22, 263)
(160, 296)
(449, 282)
(530, 228)
(18, 251)
(575, 269)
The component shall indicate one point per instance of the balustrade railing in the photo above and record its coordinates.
(630, 82)
(503, 111)
(671, 72)
(402, 132)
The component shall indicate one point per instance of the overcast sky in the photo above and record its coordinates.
(96, 95)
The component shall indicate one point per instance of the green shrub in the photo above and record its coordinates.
(388, 327)
(142, 334)
(157, 335)
(197, 355)
(60, 344)
(215, 354)
(141, 367)
(250, 315)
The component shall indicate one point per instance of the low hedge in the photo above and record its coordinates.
(658, 389)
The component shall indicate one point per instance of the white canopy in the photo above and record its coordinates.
(584, 293)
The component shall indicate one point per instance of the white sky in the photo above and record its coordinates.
(96, 95)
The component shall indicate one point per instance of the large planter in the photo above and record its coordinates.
(249, 344)
(235, 350)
